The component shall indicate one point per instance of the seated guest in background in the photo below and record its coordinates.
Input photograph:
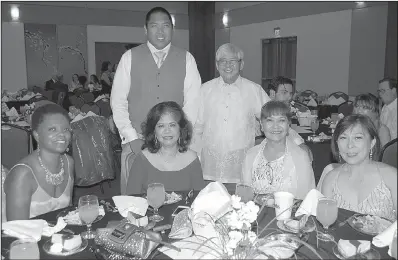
(361, 184)
(74, 84)
(388, 94)
(282, 89)
(42, 181)
(94, 84)
(58, 87)
(106, 80)
(50, 82)
(368, 105)
(165, 157)
(278, 164)
(83, 81)
(225, 128)
(113, 71)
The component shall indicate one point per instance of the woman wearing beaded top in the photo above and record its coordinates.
(42, 181)
(278, 164)
(361, 183)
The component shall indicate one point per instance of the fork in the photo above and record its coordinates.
(189, 196)
(343, 223)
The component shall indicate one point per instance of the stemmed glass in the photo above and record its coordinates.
(326, 214)
(156, 196)
(245, 192)
(314, 126)
(88, 212)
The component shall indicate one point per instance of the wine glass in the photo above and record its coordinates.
(314, 126)
(326, 214)
(245, 192)
(88, 212)
(26, 248)
(156, 196)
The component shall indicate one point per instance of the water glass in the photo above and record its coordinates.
(156, 196)
(88, 212)
(24, 249)
(245, 192)
(326, 214)
(314, 125)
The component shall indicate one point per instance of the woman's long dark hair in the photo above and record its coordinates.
(153, 117)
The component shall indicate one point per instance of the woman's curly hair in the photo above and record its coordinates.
(153, 117)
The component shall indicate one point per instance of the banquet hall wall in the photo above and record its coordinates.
(342, 39)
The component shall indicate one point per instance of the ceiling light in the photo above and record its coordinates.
(225, 19)
(15, 13)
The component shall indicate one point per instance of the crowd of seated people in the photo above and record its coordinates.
(43, 181)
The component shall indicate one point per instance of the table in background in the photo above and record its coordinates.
(324, 249)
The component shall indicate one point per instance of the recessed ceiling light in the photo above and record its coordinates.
(225, 19)
(15, 13)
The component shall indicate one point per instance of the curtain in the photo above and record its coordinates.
(279, 58)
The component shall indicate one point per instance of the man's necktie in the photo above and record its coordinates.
(160, 55)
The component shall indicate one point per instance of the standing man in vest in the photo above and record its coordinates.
(148, 74)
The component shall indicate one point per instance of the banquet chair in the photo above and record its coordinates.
(87, 97)
(76, 101)
(388, 153)
(93, 107)
(339, 94)
(105, 108)
(346, 108)
(48, 94)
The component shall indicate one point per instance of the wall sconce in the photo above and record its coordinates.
(14, 13)
(277, 32)
(225, 19)
(173, 20)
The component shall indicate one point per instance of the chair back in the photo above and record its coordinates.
(105, 107)
(37, 98)
(339, 94)
(388, 154)
(61, 97)
(76, 101)
(91, 107)
(48, 94)
(88, 97)
(346, 108)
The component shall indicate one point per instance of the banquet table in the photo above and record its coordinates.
(325, 249)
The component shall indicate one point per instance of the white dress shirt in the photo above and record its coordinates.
(388, 117)
(226, 126)
(121, 88)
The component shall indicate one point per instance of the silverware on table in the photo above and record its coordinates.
(189, 197)
(343, 223)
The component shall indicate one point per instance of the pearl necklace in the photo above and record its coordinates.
(51, 178)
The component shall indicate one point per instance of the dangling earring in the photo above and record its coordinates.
(156, 140)
(371, 154)
(179, 141)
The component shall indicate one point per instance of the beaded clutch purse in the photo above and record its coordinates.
(182, 226)
(127, 239)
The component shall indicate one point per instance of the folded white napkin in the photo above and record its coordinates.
(125, 204)
(385, 238)
(5, 99)
(12, 112)
(309, 204)
(80, 117)
(312, 103)
(212, 203)
(99, 98)
(214, 200)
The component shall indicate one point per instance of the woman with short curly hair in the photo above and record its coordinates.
(165, 157)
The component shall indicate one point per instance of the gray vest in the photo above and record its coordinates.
(151, 85)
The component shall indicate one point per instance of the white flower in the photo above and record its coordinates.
(252, 236)
(235, 202)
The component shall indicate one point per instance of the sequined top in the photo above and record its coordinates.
(268, 176)
(379, 202)
(42, 202)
